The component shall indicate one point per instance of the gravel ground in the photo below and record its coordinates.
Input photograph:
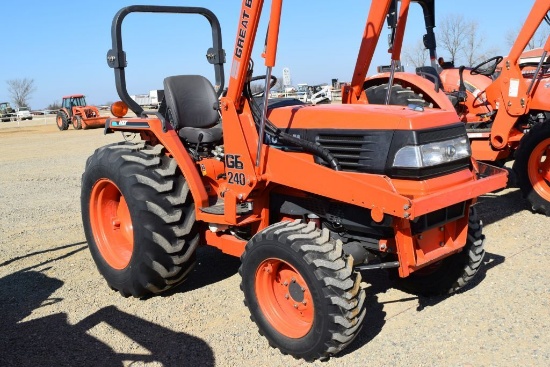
(56, 310)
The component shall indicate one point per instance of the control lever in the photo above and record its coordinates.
(461, 87)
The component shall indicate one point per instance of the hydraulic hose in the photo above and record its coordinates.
(285, 138)
(312, 148)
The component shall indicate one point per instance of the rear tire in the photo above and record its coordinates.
(532, 167)
(62, 121)
(139, 218)
(399, 96)
(301, 290)
(452, 273)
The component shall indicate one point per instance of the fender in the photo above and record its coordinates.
(418, 84)
(171, 141)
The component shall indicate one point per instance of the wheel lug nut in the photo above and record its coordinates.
(295, 305)
(285, 283)
(287, 296)
(304, 302)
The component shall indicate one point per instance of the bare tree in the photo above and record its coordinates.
(20, 90)
(473, 45)
(256, 88)
(451, 34)
(259, 86)
(279, 85)
(538, 39)
(463, 40)
(416, 55)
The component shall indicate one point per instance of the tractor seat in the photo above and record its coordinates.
(192, 108)
(431, 74)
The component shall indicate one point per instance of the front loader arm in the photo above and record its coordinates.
(509, 93)
(371, 35)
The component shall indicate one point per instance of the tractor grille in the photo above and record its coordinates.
(358, 153)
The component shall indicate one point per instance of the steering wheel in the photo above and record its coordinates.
(262, 77)
(487, 67)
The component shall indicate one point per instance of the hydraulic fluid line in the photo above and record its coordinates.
(537, 72)
(390, 82)
(284, 138)
(264, 115)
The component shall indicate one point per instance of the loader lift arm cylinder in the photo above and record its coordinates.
(270, 55)
(373, 28)
(397, 44)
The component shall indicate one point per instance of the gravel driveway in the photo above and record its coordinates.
(56, 310)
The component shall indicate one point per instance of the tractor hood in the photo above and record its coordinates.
(395, 141)
(364, 117)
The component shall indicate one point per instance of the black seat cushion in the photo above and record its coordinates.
(193, 134)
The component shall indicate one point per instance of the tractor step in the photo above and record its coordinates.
(219, 207)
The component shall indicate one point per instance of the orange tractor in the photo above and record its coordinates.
(75, 111)
(503, 101)
(307, 196)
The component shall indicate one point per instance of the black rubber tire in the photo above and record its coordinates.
(399, 96)
(77, 122)
(62, 121)
(337, 294)
(162, 211)
(452, 273)
(536, 135)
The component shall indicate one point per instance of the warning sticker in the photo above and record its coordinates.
(514, 88)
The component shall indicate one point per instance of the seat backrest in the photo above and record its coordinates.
(431, 74)
(191, 101)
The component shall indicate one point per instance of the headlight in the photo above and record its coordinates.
(432, 154)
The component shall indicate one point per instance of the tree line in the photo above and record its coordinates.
(460, 40)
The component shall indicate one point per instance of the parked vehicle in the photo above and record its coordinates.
(506, 114)
(74, 110)
(7, 113)
(151, 100)
(23, 113)
(307, 196)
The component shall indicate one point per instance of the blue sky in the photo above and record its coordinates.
(62, 44)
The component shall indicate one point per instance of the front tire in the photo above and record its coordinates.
(532, 167)
(77, 122)
(139, 218)
(452, 273)
(301, 290)
(399, 96)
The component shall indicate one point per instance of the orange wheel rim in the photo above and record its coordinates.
(59, 121)
(111, 224)
(538, 169)
(284, 298)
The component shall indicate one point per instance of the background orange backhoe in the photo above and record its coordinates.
(504, 101)
(74, 111)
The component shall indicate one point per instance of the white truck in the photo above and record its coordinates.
(23, 113)
(151, 100)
